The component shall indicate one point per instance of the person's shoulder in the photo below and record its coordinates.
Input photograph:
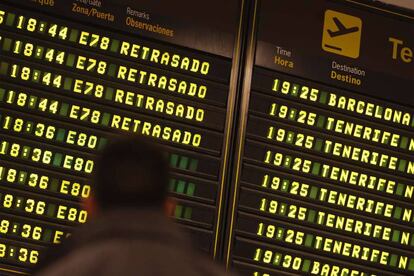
(85, 260)
(126, 257)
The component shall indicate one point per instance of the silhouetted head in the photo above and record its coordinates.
(132, 172)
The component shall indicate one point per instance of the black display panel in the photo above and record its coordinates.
(324, 174)
(71, 83)
(288, 125)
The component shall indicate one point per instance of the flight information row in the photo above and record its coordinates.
(35, 230)
(319, 241)
(101, 67)
(321, 119)
(327, 170)
(114, 119)
(22, 220)
(126, 98)
(263, 259)
(326, 218)
(80, 163)
(330, 195)
(113, 44)
(328, 146)
(358, 105)
(29, 230)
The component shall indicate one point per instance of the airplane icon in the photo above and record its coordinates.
(342, 30)
(341, 34)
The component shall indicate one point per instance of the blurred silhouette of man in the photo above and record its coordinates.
(129, 232)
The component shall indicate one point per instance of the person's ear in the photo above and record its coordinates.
(90, 205)
(169, 206)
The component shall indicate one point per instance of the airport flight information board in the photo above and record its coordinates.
(288, 125)
(70, 83)
(324, 177)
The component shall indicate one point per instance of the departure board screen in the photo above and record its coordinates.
(76, 74)
(288, 125)
(324, 181)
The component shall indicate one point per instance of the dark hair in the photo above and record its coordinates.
(132, 172)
